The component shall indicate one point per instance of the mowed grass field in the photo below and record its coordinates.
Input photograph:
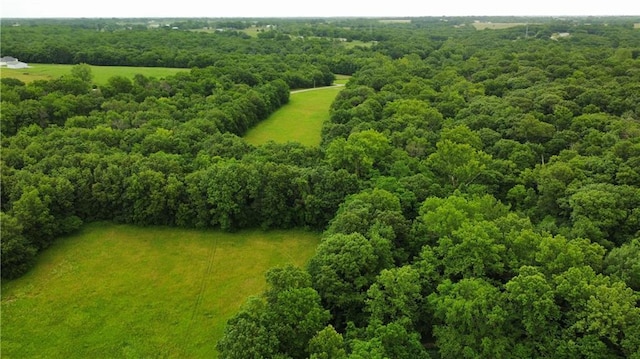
(100, 73)
(118, 291)
(300, 120)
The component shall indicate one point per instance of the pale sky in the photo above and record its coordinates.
(313, 8)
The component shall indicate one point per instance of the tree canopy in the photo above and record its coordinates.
(478, 190)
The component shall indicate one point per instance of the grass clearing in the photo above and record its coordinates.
(342, 79)
(119, 291)
(100, 73)
(357, 43)
(254, 30)
(299, 120)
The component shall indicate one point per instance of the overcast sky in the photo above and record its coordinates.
(313, 8)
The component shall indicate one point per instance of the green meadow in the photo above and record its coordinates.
(100, 73)
(300, 120)
(119, 291)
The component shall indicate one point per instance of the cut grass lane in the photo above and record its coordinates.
(300, 120)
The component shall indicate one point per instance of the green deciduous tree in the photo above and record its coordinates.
(246, 334)
(364, 211)
(344, 267)
(32, 213)
(534, 313)
(17, 252)
(600, 317)
(82, 72)
(623, 263)
(362, 153)
(457, 165)
(475, 250)
(471, 319)
(395, 297)
(282, 323)
(612, 210)
(327, 344)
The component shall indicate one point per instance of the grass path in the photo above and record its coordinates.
(299, 120)
(117, 291)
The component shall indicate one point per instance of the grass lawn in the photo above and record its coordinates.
(118, 291)
(300, 120)
(100, 73)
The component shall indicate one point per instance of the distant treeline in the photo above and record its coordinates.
(164, 47)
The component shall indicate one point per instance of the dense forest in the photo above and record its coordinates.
(478, 190)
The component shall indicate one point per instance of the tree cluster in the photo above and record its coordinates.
(498, 215)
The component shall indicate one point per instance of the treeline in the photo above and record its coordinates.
(232, 96)
(68, 44)
(499, 215)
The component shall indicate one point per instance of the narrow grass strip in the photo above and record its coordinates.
(300, 120)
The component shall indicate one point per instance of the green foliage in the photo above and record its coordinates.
(612, 210)
(343, 268)
(622, 263)
(471, 319)
(327, 344)
(82, 72)
(361, 154)
(283, 323)
(17, 253)
(534, 311)
(395, 296)
(457, 165)
(245, 335)
(598, 311)
(361, 211)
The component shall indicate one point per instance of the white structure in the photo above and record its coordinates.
(12, 63)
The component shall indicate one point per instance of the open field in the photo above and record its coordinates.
(341, 79)
(100, 73)
(254, 30)
(118, 291)
(496, 25)
(300, 120)
(356, 43)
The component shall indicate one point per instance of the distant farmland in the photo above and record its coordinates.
(496, 25)
(100, 73)
(118, 291)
